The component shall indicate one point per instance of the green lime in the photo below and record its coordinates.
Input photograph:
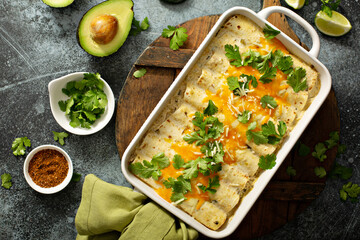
(335, 26)
(296, 4)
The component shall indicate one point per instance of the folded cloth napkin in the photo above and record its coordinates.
(109, 212)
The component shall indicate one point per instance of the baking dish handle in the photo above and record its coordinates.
(266, 12)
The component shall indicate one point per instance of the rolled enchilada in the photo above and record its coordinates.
(226, 122)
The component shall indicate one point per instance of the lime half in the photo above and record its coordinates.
(335, 26)
(296, 4)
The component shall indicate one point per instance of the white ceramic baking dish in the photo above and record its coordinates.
(247, 202)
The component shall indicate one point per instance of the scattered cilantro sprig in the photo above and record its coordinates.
(268, 133)
(267, 162)
(76, 177)
(350, 190)
(136, 27)
(178, 36)
(319, 152)
(6, 180)
(269, 32)
(268, 101)
(87, 100)
(297, 79)
(291, 171)
(19, 145)
(213, 183)
(179, 187)
(245, 116)
(329, 5)
(59, 136)
(152, 169)
(320, 172)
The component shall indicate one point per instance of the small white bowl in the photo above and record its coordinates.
(51, 189)
(56, 94)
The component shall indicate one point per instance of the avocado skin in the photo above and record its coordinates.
(62, 4)
(85, 41)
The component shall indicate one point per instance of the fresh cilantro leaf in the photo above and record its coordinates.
(263, 63)
(6, 180)
(319, 152)
(341, 150)
(193, 167)
(178, 35)
(267, 162)
(136, 27)
(303, 150)
(178, 162)
(19, 145)
(145, 24)
(269, 32)
(351, 190)
(333, 141)
(341, 172)
(281, 128)
(290, 171)
(62, 105)
(251, 58)
(211, 109)
(177, 197)
(233, 54)
(244, 117)
(250, 78)
(269, 74)
(257, 137)
(179, 187)
(160, 160)
(213, 183)
(268, 101)
(139, 73)
(152, 169)
(60, 136)
(269, 131)
(76, 177)
(233, 83)
(320, 172)
(284, 63)
(297, 79)
(194, 137)
(329, 5)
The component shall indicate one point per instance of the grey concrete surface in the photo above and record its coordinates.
(38, 44)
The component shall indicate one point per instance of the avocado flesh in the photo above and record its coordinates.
(122, 11)
(58, 3)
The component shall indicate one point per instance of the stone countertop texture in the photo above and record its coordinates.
(38, 44)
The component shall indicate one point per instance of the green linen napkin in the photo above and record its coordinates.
(109, 212)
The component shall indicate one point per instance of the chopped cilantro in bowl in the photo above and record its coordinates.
(82, 103)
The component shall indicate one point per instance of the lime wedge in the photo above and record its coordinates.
(335, 26)
(296, 4)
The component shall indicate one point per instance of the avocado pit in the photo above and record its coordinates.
(103, 28)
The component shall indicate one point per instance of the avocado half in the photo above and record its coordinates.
(58, 3)
(104, 28)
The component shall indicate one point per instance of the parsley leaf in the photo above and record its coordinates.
(269, 32)
(211, 109)
(6, 180)
(60, 136)
(268, 101)
(19, 145)
(152, 169)
(320, 172)
(136, 27)
(341, 172)
(267, 162)
(333, 141)
(178, 162)
(76, 177)
(341, 150)
(350, 190)
(329, 5)
(178, 35)
(213, 183)
(179, 187)
(233, 54)
(269, 74)
(139, 73)
(290, 171)
(244, 117)
(297, 79)
(319, 152)
(303, 150)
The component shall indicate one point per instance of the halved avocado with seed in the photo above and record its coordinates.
(105, 27)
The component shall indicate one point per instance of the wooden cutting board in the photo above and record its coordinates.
(285, 197)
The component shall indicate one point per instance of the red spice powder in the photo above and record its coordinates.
(48, 168)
